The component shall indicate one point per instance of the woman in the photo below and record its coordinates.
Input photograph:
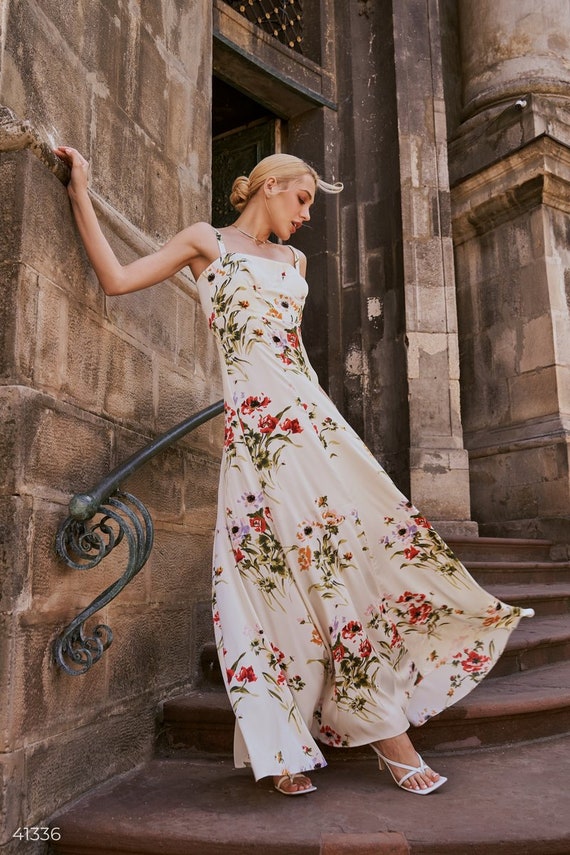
(339, 613)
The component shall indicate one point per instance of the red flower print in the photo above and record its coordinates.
(420, 613)
(238, 555)
(246, 674)
(293, 339)
(305, 556)
(254, 403)
(217, 617)
(267, 424)
(292, 425)
(396, 639)
(228, 436)
(279, 655)
(421, 521)
(281, 678)
(211, 320)
(351, 629)
(285, 359)
(474, 662)
(410, 553)
(365, 648)
(257, 523)
(330, 735)
(338, 652)
(267, 512)
(229, 674)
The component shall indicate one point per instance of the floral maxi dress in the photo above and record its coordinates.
(340, 615)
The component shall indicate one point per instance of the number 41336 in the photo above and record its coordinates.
(37, 832)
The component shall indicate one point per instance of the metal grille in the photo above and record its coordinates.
(282, 19)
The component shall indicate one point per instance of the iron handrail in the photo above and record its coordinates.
(98, 521)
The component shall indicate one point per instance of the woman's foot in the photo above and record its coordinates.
(293, 785)
(399, 750)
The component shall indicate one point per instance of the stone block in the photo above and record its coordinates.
(66, 451)
(181, 116)
(159, 484)
(533, 394)
(15, 525)
(12, 789)
(128, 379)
(190, 329)
(162, 218)
(11, 406)
(179, 397)
(148, 316)
(62, 112)
(563, 378)
(180, 566)
(51, 343)
(114, 140)
(7, 636)
(10, 208)
(553, 497)
(60, 768)
(441, 493)
(152, 89)
(536, 344)
(44, 699)
(151, 649)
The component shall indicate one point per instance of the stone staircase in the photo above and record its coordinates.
(505, 749)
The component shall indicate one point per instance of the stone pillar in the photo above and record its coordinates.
(439, 476)
(510, 170)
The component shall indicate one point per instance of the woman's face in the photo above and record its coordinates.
(289, 203)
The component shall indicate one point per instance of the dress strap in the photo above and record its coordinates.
(221, 246)
(296, 256)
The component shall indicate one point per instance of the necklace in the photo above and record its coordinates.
(258, 241)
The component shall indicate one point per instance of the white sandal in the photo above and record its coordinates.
(385, 763)
(291, 778)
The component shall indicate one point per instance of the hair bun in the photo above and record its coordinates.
(239, 196)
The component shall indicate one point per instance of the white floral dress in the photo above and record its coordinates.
(340, 615)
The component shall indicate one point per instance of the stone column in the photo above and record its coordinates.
(510, 171)
(439, 476)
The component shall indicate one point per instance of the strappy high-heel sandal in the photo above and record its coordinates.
(385, 763)
(291, 778)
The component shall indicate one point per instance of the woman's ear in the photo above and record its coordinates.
(271, 185)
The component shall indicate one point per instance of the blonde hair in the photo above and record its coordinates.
(283, 167)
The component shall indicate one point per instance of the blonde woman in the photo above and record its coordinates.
(340, 615)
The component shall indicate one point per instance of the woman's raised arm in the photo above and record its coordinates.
(115, 278)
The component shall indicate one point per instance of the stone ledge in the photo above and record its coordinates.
(538, 173)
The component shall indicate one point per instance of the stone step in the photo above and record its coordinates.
(496, 802)
(544, 599)
(500, 548)
(490, 573)
(536, 642)
(512, 708)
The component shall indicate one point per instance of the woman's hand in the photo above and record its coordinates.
(79, 181)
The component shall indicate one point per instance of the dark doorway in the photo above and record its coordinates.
(243, 133)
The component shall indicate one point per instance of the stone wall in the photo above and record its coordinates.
(86, 380)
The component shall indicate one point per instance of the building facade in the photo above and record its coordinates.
(438, 315)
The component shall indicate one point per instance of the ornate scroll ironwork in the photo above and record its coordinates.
(99, 521)
(282, 19)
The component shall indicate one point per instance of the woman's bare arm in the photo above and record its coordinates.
(187, 246)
